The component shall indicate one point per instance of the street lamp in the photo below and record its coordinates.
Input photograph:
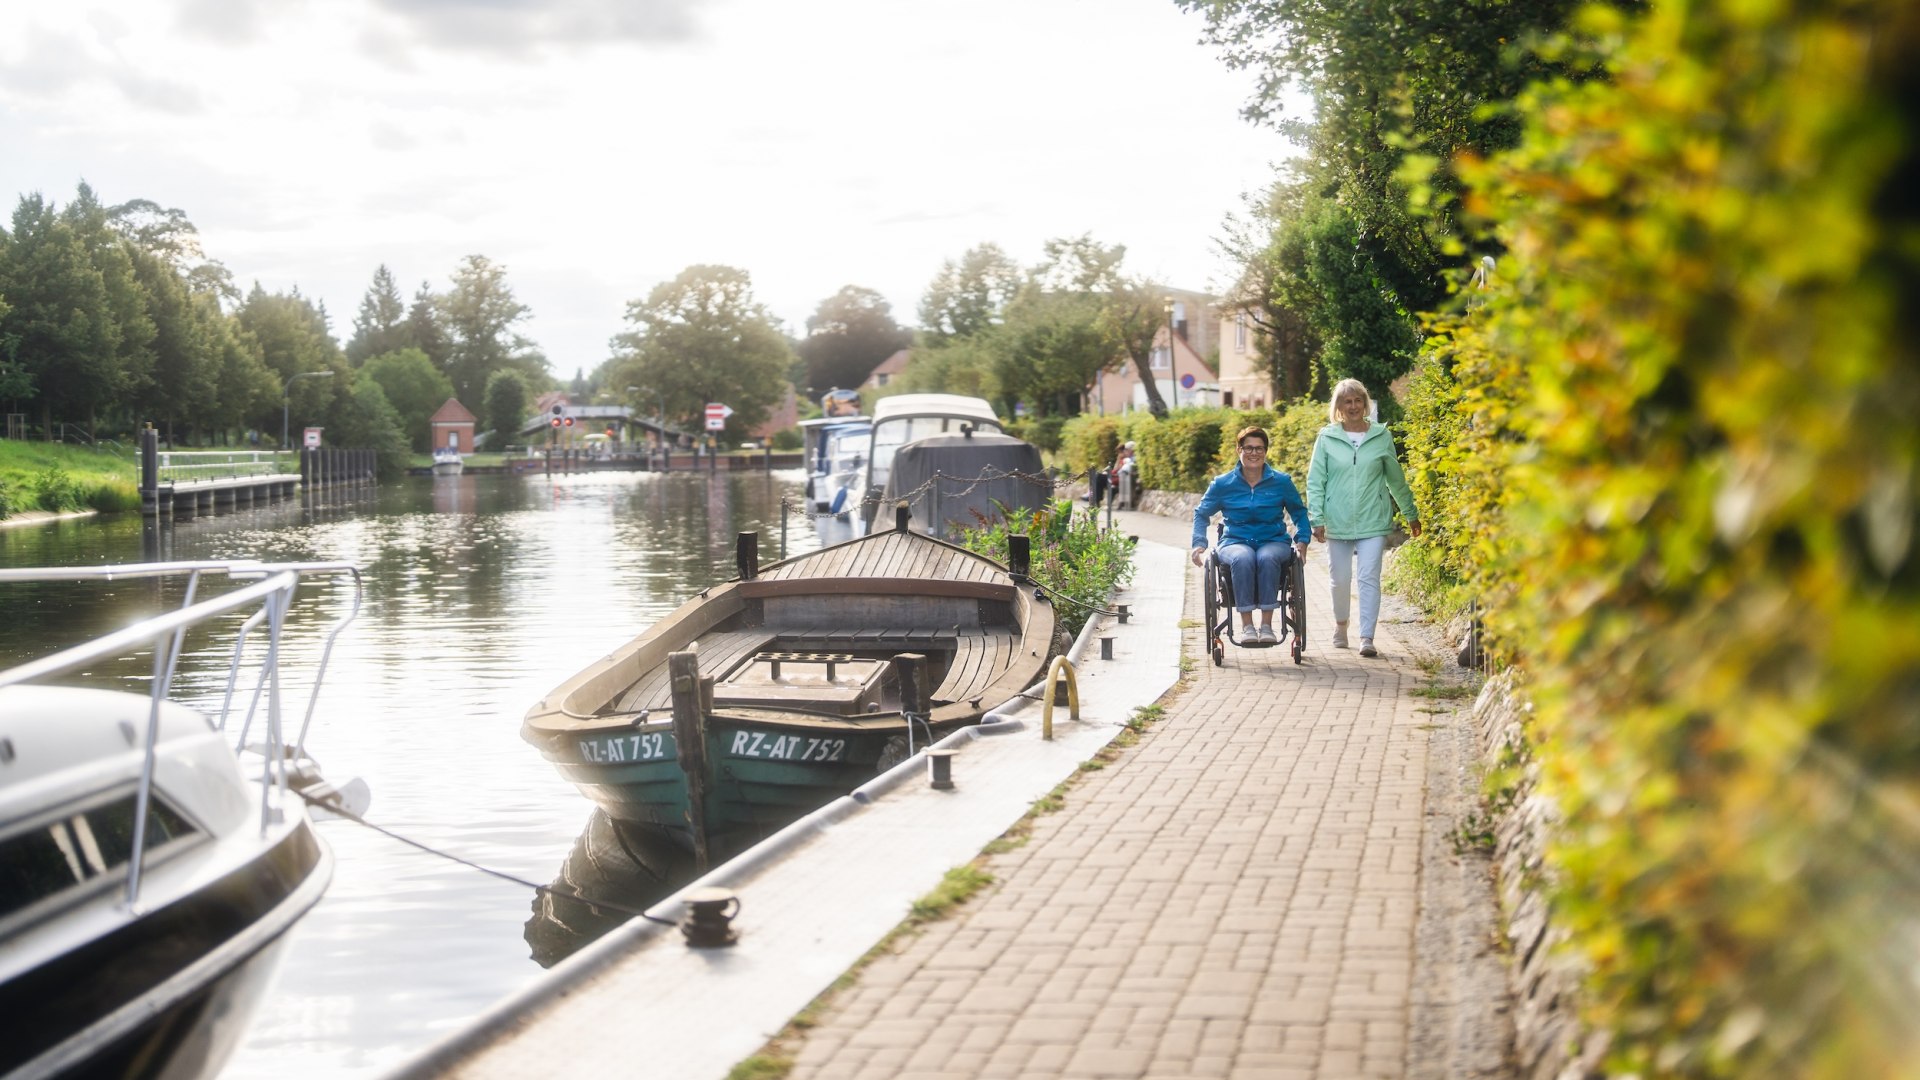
(1173, 370)
(286, 398)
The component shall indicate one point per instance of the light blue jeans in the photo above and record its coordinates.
(1341, 554)
(1261, 567)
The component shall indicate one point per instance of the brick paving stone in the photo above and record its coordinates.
(1234, 896)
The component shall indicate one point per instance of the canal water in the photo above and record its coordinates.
(481, 594)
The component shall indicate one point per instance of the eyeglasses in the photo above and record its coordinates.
(1251, 448)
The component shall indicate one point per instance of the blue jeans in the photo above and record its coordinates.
(1261, 567)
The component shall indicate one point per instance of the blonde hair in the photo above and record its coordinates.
(1342, 387)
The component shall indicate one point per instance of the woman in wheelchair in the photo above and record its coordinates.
(1252, 498)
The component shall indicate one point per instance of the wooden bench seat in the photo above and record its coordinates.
(718, 652)
(979, 658)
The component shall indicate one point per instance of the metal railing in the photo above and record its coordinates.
(196, 465)
(270, 597)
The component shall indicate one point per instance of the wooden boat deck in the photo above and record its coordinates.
(907, 555)
(979, 656)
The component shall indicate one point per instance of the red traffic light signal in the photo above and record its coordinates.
(568, 421)
(556, 421)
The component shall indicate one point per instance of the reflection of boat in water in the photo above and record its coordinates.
(613, 871)
(826, 669)
(149, 880)
(448, 462)
(949, 458)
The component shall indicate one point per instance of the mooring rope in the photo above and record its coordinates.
(332, 806)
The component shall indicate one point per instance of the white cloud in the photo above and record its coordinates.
(813, 144)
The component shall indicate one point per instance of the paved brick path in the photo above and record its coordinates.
(1235, 897)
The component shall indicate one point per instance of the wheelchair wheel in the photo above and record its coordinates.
(1212, 601)
(1297, 607)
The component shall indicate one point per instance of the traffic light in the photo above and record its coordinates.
(556, 421)
(609, 432)
(568, 421)
(557, 410)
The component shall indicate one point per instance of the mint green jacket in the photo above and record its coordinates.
(1352, 490)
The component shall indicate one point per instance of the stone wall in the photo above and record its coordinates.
(1549, 1042)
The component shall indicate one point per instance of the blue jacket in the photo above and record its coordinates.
(1252, 513)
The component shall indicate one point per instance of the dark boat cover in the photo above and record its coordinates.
(953, 481)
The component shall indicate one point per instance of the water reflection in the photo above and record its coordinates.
(610, 864)
(482, 594)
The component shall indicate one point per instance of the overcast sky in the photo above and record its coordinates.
(598, 147)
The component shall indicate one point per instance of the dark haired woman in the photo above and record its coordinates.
(1253, 497)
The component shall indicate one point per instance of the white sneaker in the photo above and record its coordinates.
(1339, 637)
(1267, 636)
(1366, 647)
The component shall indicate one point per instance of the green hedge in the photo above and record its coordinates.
(1688, 477)
(1192, 446)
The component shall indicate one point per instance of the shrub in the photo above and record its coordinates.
(56, 490)
(1042, 431)
(1692, 479)
(1070, 555)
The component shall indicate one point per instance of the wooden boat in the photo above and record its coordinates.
(765, 697)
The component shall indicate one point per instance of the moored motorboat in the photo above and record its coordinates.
(767, 696)
(448, 462)
(149, 882)
(949, 458)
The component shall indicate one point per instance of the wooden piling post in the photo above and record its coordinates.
(690, 737)
(746, 555)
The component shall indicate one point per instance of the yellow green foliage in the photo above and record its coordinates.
(1687, 484)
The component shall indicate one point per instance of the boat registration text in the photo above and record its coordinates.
(760, 744)
(626, 747)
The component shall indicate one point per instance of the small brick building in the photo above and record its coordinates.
(452, 427)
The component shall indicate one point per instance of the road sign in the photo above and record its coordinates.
(313, 438)
(717, 414)
(1186, 382)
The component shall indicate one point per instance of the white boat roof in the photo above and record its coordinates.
(899, 405)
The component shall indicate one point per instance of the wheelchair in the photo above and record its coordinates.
(1291, 614)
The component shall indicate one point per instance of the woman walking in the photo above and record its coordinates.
(1353, 486)
(1256, 499)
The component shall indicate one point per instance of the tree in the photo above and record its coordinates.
(244, 388)
(965, 366)
(700, 338)
(969, 296)
(183, 370)
(413, 388)
(59, 327)
(130, 366)
(291, 337)
(363, 419)
(425, 330)
(1369, 334)
(507, 402)
(381, 325)
(1401, 90)
(848, 335)
(479, 315)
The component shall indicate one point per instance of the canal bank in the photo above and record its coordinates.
(1273, 882)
